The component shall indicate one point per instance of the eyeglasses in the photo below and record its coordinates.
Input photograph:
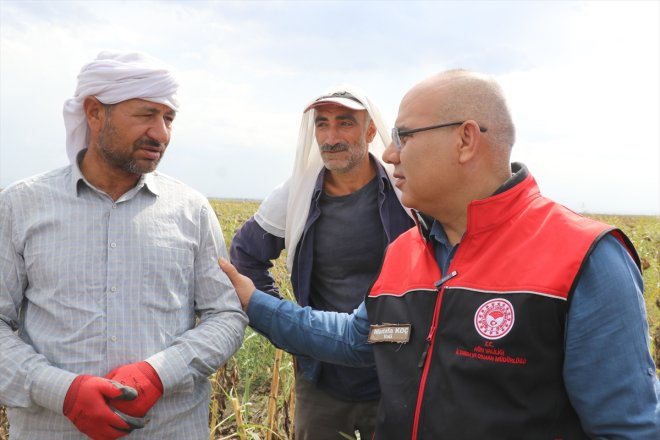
(397, 134)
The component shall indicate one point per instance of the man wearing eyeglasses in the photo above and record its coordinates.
(503, 314)
(335, 215)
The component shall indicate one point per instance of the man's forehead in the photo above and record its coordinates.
(415, 105)
(405, 114)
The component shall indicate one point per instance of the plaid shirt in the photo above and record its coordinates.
(88, 284)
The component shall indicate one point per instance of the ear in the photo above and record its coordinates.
(469, 141)
(371, 132)
(94, 113)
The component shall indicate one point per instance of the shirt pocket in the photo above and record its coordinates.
(167, 278)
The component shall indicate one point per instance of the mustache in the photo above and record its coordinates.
(149, 143)
(334, 148)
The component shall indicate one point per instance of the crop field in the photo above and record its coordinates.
(253, 393)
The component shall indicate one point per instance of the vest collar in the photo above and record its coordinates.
(506, 202)
(488, 212)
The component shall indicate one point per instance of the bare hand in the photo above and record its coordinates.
(243, 285)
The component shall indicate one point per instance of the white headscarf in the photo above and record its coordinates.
(115, 77)
(284, 211)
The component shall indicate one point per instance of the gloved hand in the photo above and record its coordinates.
(85, 405)
(142, 377)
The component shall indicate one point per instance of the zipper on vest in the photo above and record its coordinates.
(429, 344)
(434, 321)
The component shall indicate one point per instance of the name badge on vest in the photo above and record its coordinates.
(399, 333)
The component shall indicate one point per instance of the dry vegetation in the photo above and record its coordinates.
(252, 394)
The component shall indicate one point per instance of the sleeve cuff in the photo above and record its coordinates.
(172, 370)
(260, 310)
(49, 388)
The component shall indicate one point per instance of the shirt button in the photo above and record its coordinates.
(113, 289)
(113, 245)
(113, 339)
(114, 206)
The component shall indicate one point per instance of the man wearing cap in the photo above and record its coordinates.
(335, 214)
(113, 312)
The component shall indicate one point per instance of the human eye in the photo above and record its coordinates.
(403, 137)
(144, 114)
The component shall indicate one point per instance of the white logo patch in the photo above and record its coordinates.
(494, 319)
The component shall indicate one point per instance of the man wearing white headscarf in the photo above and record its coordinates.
(113, 312)
(336, 214)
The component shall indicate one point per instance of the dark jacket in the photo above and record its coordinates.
(253, 249)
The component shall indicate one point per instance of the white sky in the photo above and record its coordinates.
(583, 81)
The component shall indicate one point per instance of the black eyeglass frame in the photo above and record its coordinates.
(397, 133)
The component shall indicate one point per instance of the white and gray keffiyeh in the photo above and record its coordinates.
(115, 77)
(284, 211)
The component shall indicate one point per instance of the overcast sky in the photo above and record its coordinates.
(582, 78)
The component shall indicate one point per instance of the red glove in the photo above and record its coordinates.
(85, 405)
(142, 377)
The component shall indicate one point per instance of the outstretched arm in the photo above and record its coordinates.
(339, 338)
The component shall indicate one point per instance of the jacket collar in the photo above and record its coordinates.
(505, 203)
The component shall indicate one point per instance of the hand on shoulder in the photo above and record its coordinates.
(243, 285)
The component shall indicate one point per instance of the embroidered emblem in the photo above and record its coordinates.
(494, 319)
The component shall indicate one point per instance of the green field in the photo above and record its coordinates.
(244, 404)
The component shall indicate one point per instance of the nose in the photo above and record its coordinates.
(391, 155)
(332, 136)
(159, 131)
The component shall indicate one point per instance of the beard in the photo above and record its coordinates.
(125, 161)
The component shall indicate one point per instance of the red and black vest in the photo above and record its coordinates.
(486, 347)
